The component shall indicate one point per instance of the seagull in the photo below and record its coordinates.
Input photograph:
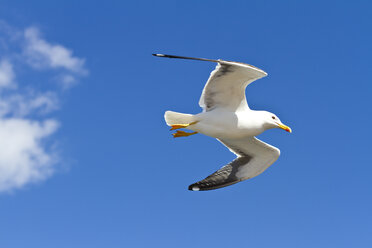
(227, 117)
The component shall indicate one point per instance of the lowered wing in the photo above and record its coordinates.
(254, 157)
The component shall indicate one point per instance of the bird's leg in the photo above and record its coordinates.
(182, 134)
(178, 126)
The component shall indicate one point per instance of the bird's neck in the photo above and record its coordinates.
(260, 118)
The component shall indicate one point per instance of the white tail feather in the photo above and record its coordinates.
(172, 118)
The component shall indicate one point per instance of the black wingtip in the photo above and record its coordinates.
(193, 187)
(182, 57)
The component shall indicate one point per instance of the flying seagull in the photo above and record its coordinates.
(227, 117)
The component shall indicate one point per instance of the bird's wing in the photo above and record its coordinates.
(254, 157)
(226, 85)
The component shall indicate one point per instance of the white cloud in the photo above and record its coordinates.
(6, 74)
(25, 157)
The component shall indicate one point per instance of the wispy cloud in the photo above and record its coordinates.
(41, 54)
(25, 126)
(27, 103)
(6, 74)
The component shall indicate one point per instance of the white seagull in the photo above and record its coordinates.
(227, 117)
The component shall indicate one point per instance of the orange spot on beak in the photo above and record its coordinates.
(286, 128)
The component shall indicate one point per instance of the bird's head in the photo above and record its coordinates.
(273, 121)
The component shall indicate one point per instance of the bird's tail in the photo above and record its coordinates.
(173, 118)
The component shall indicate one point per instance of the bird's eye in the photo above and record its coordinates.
(273, 117)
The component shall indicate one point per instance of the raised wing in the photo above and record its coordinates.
(226, 85)
(254, 157)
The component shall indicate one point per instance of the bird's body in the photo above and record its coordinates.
(227, 117)
(222, 124)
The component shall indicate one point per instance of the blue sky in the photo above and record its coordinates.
(86, 159)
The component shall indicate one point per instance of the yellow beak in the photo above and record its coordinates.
(286, 128)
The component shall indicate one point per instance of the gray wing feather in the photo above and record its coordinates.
(223, 177)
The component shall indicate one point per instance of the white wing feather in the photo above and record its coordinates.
(263, 155)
